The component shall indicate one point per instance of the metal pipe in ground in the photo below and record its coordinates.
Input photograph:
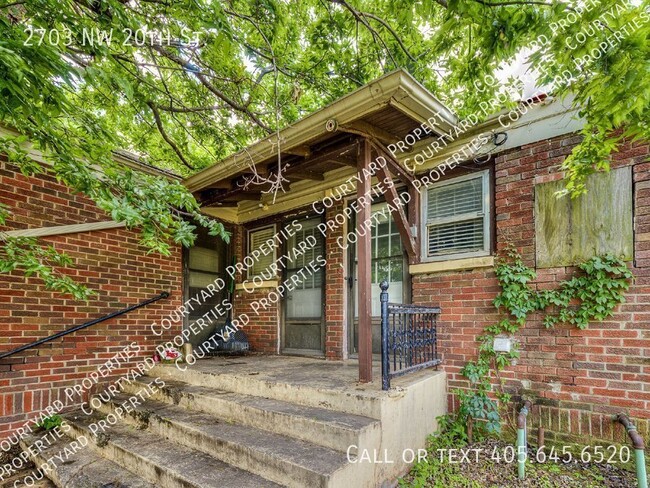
(639, 449)
(522, 447)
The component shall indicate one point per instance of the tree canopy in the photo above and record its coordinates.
(183, 83)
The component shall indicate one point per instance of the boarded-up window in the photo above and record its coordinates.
(570, 231)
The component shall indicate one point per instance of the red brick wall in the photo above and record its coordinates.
(263, 327)
(335, 289)
(110, 262)
(579, 377)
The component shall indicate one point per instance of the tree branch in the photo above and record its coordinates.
(513, 2)
(358, 15)
(163, 133)
(213, 89)
(186, 110)
(390, 29)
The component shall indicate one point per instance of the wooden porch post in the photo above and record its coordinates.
(364, 259)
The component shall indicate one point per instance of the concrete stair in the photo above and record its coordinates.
(82, 469)
(304, 391)
(276, 457)
(201, 428)
(186, 435)
(327, 428)
(161, 461)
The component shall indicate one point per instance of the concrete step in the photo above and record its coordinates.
(328, 428)
(302, 389)
(286, 460)
(78, 468)
(164, 463)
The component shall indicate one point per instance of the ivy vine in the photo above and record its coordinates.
(592, 294)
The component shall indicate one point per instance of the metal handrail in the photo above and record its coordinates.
(413, 339)
(63, 333)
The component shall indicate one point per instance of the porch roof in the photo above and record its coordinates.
(317, 148)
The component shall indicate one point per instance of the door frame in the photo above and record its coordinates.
(283, 306)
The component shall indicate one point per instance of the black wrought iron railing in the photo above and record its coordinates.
(409, 338)
(77, 328)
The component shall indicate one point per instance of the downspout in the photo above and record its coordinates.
(521, 439)
(639, 449)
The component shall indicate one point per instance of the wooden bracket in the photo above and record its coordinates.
(399, 217)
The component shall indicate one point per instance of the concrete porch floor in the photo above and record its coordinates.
(312, 372)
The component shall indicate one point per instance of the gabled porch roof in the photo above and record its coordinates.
(318, 151)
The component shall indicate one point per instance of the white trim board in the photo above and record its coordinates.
(62, 229)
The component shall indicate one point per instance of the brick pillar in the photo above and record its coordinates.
(335, 290)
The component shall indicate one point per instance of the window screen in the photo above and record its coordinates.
(457, 217)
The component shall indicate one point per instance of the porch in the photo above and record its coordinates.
(322, 213)
(295, 372)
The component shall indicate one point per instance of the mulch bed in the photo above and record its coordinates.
(489, 473)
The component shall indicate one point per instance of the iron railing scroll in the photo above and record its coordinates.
(409, 338)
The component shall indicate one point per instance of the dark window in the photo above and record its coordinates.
(204, 263)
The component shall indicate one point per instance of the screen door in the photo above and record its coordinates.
(303, 328)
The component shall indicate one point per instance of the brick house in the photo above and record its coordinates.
(438, 248)
(109, 259)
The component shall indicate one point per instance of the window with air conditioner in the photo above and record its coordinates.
(262, 241)
(457, 218)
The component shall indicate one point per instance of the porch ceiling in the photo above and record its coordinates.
(317, 150)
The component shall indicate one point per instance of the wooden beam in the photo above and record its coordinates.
(344, 151)
(303, 151)
(213, 197)
(340, 152)
(220, 185)
(396, 168)
(364, 255)
(303, 174)
(414, 219)
(244, 195)
(261, 170)
(225, 204)
(399, 217)
(343, 162)
(369, 130)
(413, 208)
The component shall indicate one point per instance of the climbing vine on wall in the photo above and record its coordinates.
(592, 294)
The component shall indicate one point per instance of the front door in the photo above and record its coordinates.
(304, 325)
(388, 263)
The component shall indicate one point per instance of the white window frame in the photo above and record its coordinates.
(249, 249)
(487, 234)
